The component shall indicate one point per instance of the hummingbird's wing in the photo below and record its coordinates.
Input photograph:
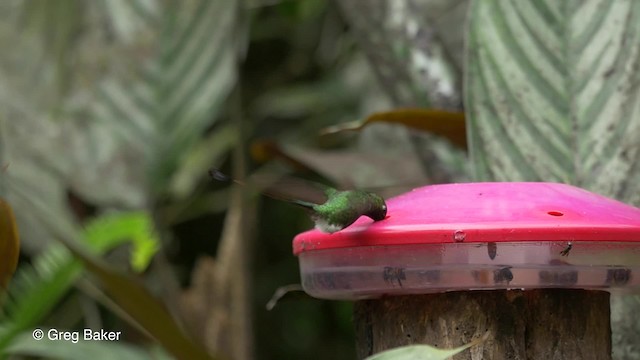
(297, 191)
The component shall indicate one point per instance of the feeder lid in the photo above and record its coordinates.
(487, 212)
(478, 236)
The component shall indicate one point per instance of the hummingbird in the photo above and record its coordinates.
(341, 208)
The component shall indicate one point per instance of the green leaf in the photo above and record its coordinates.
(111, 230)
(552, 93)
(36, 290)
(415, 352)
(422, 352)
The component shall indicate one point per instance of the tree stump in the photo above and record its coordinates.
(544, 324)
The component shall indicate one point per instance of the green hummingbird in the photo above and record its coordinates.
(338, 211)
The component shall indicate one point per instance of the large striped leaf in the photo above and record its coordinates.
(553, 93)
(181, 87)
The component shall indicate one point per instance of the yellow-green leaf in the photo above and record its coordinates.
(450, 125)
(135, 226)
(422, 352)
(9, 243)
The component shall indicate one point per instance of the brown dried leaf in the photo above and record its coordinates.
(9, 243)
(450, 125)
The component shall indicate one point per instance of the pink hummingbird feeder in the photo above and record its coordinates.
(478, 236)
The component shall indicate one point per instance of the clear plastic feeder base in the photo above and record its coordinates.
(375, 271)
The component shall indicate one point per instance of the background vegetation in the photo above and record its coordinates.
(112, 111)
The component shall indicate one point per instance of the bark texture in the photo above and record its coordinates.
(544, 324)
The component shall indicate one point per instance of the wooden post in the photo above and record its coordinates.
(543, 324)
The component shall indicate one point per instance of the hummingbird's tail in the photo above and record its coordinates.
(301, 203)
(218, 175)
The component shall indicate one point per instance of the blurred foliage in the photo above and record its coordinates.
(39, 287)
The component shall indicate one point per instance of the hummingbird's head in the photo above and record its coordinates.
(378, 209)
